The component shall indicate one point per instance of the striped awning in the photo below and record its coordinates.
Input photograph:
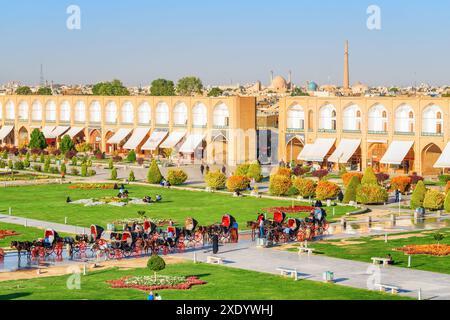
(397, 152)
(155, 140)
(59, 131)
(137, 138)
(173, 139)
(193, 141)
(74, 131)
(444, 160)
(318, 151)
(48, 132)
(5, 131)
(345, 150)
(119, 136)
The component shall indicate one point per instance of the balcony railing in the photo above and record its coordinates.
(179, 125)
(378, 132)
(351, 131)
(197, 126)
(327, 131)
(162, 125)
(295, 130)
(111, 123)
(432, 134)
(220, 127)
(402, 133)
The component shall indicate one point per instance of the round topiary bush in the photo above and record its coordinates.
(255, 172)
(327, 190)
(154, 175)
(280, 184)
(215, 180)
(306, 187)
(156, 263)
(176, 177)
(434, 200)
(131, 157)
(237, 183)
(371, 194)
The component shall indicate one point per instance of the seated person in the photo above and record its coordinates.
(158, 198)
(163, 183)
(390, 260)
(147, 199)
(68, 200)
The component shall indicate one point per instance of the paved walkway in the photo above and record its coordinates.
(58, 227)
(355, 274)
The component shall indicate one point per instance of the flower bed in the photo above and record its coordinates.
(295, 209)
(439, 250)
(92, 186)
(149, 283)
(157, 222)
(7, 233)
(25, 177)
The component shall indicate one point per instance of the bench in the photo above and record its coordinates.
(384, 261)
(384, 287)
(214, 260)
(302, 250)
(286, 272)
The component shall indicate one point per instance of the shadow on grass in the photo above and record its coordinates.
(14, 296)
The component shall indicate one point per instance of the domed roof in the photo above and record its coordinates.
(312, 86)
(279, 83)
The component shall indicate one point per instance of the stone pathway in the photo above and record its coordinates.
(58, 227)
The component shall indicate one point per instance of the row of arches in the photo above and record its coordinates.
(112, 113)
(378, 121)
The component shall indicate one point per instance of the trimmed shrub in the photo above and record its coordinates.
(26, 163)
(444, 178)
(280, 184)
(447, 187)
(306, 187)
(114, 174)
(371, 194)
(74, 171)
(47, 164)
(242, 169)
(2, 164)
(369, 177)
(447, 203)
(63, 168)
(74, 161)
(176, 177)
(154, 175)
(284, 172)
(327, 190)
(156, 263)
(215, 180)
(255, 172)
(131, 157)
(84, 169)
(352, 188)
(401, 183)
(320, 174)
(237, 183)
(91, 172)
(434, 200)
(131, 176)
(18, 165)
(110, 164)
(418, 196)
(347, 177)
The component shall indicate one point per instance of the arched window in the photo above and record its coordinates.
(144, 113)
(23, 111)
(200, 115)
(64, 113)
(95, 112)
(352, 118)
(50, 111)
(10, 111)
(378, 119)
(180, 114)
(162, 114)
(432, 120)
(127, 113)
(327, 118)
(404, 119)
(221, 115)
(80, 112)
(296, 117)
(36, 111)
(111, 112)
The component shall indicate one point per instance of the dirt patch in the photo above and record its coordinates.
(401, 236)
(64, 270)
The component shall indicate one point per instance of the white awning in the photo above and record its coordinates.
(397, 152)
(48, 132)
(193, 141)
(173, 139)
(5, 131)
(74, 131)
(59, 131)
(155, 140)
(345, 150)
(137, 138)
(305, 153)
(119, 136)
(444, 160)
(319, 150)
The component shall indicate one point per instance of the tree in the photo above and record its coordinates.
(156, 264)
(114, 174)
(154, 175)
(24, 91)
(418, 195)
(110, 164)
(350, 192)
(47, 164)
(84, 170)
(369, 177)
(162, 87)
(63, 168)
(131, 177)
(44, 91)
(113, 88)
(189, 86)
(298, 92)
(37, 140)
(66, 144)
(131, 157)
(447, 202)
(255, 172)
(215, 92)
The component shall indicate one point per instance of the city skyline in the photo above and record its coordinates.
(224, 42)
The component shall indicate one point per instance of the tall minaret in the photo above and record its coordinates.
(346, 69)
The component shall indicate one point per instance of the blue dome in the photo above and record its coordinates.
(312, 86)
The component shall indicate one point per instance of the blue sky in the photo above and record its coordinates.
(225, 40)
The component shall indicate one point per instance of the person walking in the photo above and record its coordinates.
(207, 169)
(215, 243)
(224, 170)
(397, 195)
(202, 169)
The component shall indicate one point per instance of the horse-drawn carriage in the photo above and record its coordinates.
(50, 244)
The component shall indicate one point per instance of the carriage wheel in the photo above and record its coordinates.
(34, 252)
(59, 250)
(165, 250)
(301, 236)
(42, 252)
(181, 247)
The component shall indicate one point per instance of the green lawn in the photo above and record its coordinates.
(25, 234)
(48, 202)
(369, 248)
(222, 284)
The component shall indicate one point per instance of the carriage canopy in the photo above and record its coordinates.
(96, 232)
(279, 217)
(294, 224)
(51, 235)
(149, 227)
(190, 224)
(228, 220)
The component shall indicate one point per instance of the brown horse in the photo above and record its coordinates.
(253, 225)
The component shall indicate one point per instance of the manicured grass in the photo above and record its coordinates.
(22, 177)
(366, 248)
(222, 284)
(48, 202)
(25, 234)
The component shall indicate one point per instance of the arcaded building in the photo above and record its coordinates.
(390, 134)
(211, 130)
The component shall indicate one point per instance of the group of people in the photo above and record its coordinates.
(148, 199)
(152, 296)
(205, 169)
